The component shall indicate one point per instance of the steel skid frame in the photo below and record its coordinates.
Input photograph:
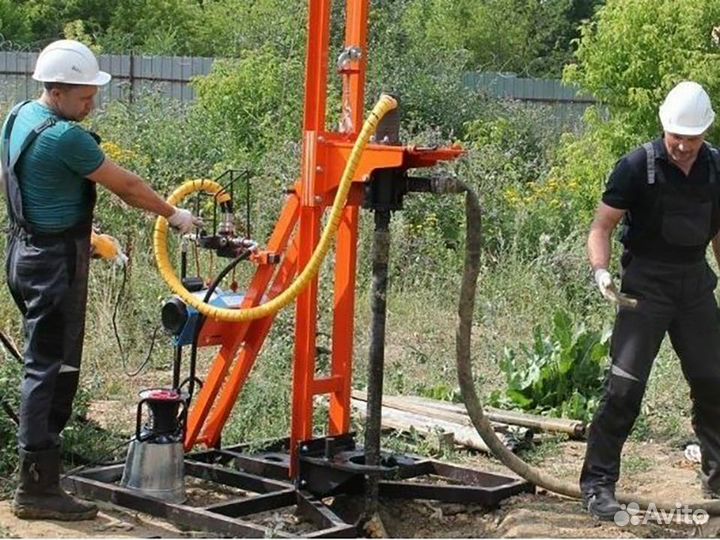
(301, 470)
(330, 466)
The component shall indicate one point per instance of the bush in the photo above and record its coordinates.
(560, 374)
(255, 100)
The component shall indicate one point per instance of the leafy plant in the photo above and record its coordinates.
(560, 374)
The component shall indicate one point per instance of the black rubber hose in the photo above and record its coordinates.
(474, 407)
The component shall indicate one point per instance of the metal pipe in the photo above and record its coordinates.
(177, 363)
(376, 357)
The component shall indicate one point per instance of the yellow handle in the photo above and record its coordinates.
(383, 106)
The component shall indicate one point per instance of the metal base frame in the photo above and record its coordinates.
(329, 466)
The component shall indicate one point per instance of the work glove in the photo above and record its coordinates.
(104, 246)
(608, 289)
(183, 221)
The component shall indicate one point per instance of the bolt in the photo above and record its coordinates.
(319, 169)
(304, 448)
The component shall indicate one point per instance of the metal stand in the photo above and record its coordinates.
(329, 467)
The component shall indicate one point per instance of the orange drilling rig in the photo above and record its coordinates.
(178, 432)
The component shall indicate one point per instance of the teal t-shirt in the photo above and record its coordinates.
(52, 171)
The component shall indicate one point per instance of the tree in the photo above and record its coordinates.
(46, 19)
(629, 56)
(529, 37)
(229, 27)
(153, 27)
(635, 51)
(14, 26)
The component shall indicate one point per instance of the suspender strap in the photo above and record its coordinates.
(653, 171)
(8, 130)
(650, 162)
(714, 162)
(49, 122)
(12, 182)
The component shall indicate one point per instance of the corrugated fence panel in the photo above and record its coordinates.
(136, 75)
(132, 76)
(566, 103)
(505, 86)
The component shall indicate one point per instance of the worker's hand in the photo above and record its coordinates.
(104, 246)
(608, 289)
(183, 221)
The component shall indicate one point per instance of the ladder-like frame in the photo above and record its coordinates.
(295, 237)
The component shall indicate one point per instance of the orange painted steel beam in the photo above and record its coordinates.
(343, 331)
(254, 339)
(316, 70)
(233, 339)
(305, 338)
(327, 385)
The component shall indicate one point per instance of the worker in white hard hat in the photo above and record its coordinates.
(667, 193)
(51, 166)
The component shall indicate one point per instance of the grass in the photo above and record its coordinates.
(634, 464)
(550, 447)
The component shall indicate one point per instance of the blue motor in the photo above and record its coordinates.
(180, 320)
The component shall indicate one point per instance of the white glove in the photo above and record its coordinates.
(121, 259)
(608, 289)
(605, 282)
(183, 221)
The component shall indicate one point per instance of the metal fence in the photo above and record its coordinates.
(132, 75)
(566, 104)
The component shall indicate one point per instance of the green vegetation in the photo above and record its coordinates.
(538, 187)
(561, 374)
(536, 40)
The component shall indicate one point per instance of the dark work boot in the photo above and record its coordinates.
(39, 495)
(600, 501)
(708, 492)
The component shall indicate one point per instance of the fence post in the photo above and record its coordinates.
(131, 78)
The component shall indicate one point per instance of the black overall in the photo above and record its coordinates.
(676, 298)
(47, 275)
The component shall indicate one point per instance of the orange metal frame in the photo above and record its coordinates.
(325, 154)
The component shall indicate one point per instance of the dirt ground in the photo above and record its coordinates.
(650, 469)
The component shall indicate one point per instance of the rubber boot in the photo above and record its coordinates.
(600, 501)
(39, 495)
(707, 491)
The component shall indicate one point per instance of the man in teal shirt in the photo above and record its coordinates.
(50, 168)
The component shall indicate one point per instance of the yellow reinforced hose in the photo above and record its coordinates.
(383, 106)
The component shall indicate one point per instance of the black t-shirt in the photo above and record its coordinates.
(628, 189)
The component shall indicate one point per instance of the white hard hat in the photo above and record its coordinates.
(687, 110)
(70, 62)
